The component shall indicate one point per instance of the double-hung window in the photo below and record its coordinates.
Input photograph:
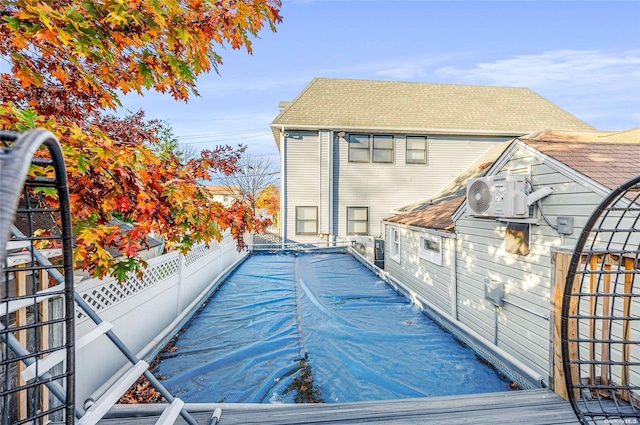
(383, 149)
(306, 220)
(417, 149)
(359, 147)
(357, 220)
(371, 148)
(395, 244)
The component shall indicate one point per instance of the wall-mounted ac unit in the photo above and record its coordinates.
(370, 248)
(502, 196)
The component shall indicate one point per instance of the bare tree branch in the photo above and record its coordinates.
(256, 172)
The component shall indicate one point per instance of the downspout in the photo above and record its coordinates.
(453, 285)
(321, 228)
(331, 236)
(283, 188)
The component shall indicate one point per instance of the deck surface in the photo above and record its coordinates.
(531, 407)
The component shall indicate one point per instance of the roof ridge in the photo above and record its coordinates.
(420, 82)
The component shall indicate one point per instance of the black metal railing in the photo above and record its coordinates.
(600, 326)
(36, 312)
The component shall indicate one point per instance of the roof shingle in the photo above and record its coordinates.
(407, 106)
(607, 158)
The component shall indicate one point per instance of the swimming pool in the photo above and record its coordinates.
(316, 327)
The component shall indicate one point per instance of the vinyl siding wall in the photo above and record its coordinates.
(428, 280)
(323, 187)
(303, 178)
(526, 279)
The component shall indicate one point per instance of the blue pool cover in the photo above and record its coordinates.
(359, 338)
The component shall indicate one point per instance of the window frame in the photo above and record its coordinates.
(374, 149)
(425, 150)
(394, 246)
(371, 149)
(359, 221)
(306, 220)
(351, 148)
(430, 255)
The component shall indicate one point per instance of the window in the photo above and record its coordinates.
(395, 244)
(367, 148)
(357, 220)
(383, 149)
(358, 148)
(306, 220)
(431, 248)
(416, 150)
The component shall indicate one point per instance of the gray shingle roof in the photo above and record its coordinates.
(458, 109)
(607, 158)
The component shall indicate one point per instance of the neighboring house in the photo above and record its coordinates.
(446, 257)
(226, 195)
(351, 151)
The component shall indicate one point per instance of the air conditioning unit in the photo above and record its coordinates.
(503, 196)
(370, 248)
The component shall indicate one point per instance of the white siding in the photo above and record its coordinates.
(303, 178)
(323, 187)
(430, 281)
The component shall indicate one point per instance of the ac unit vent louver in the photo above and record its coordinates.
(479, 196)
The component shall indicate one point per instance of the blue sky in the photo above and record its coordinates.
(583, 56)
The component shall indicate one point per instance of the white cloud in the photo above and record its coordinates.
(404, 73)
(411, 68)
(601, 87)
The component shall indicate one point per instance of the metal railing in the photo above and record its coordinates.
(36, 313)
(600, 320)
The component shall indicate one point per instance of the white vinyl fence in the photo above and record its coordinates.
(146, 312)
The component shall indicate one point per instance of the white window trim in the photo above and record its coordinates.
(357, 234)
(425, 150)
(297, 220)
(429, 255)
(395, 233)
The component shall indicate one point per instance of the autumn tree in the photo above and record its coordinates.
(69, 63)
(269, 199)
(169, 145)
(254, 173)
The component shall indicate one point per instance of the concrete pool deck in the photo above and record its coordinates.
(531, 407)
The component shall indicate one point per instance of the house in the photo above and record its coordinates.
(353, 150)
(226, 195)
(490, 274)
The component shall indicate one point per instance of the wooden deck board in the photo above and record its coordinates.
(533, 407)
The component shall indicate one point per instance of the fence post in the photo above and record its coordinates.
(560, 262)
(21, 335)
(43, 283)
(182, 268)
